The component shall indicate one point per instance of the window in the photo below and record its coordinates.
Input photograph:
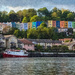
(0, 38)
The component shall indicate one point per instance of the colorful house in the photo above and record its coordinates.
(65, 24)
(61, 24)
(9, 24)
(25, 26)
(69, 24)
(18, 25)
(73, 24)
(49, 23)
(13, 24)
(33, 24)
(29, 25)
(38, 23)
(21, 26)
(58, 24)
(53, 23)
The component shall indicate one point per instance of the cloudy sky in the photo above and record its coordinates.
(16, 5)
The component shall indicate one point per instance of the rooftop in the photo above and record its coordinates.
(45, 41)
(24, 41)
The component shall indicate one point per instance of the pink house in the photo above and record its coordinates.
(26, 44)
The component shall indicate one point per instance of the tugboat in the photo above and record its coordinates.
(15, 53)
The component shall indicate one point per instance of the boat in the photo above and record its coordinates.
(15, 53)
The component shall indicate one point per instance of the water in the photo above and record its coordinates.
(37, 66)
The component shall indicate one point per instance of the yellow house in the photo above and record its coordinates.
(65, 24)
(29, 25)
(49, 23)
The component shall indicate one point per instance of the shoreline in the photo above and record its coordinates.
(47, 54)
(51, 54)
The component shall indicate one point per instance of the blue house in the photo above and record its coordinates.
(69, 24)
(58, 24)
(26, 26)
(38, 23)
(13, 24)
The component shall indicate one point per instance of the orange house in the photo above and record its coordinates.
(61, 24)
(53, 23)
(29, 25)
(66, 24)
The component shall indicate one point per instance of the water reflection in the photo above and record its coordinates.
(37, 66)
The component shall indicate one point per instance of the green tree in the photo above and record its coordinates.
(11, 30)
(38, 48)
(20, 15)
(11, 12)
(64, 14)
(31, 12)
(54, 9)
(43, 11)
(32, 33)
(54, 15)
(43, 24)
(17, 33)
(70, 16)
(34, 18)
(24, 20)
(23, 34)
(13, 17)
(4, 16)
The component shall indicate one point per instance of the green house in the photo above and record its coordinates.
(33, 24)
(73, 24)
(18, 25)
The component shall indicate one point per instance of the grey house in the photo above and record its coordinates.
(46, 42)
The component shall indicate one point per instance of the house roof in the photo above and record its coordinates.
(8, 36)
(65, 39)
(24, 41)
(44, 41)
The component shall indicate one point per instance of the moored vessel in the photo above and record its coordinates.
(15, 53)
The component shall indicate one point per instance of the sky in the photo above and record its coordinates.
(7, 5)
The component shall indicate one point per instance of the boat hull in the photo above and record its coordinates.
(9, 55)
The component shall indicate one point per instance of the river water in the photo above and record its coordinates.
(38, 66)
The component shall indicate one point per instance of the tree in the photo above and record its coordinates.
(32, 33)
(6, 29)
(4, 16)
(11, 12)
(23, 34)
(55, 49)
(43, 11)
(42, 32)
(38, 48)
(11, 31)
(64, 14)
(70, 31)
(17, 33)
(43, 24)
(34, 18)
(70, 16)
(24, 20)
(13, 17)
(31, 12)
(54, 9)
(20, 15)
(54, 15)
